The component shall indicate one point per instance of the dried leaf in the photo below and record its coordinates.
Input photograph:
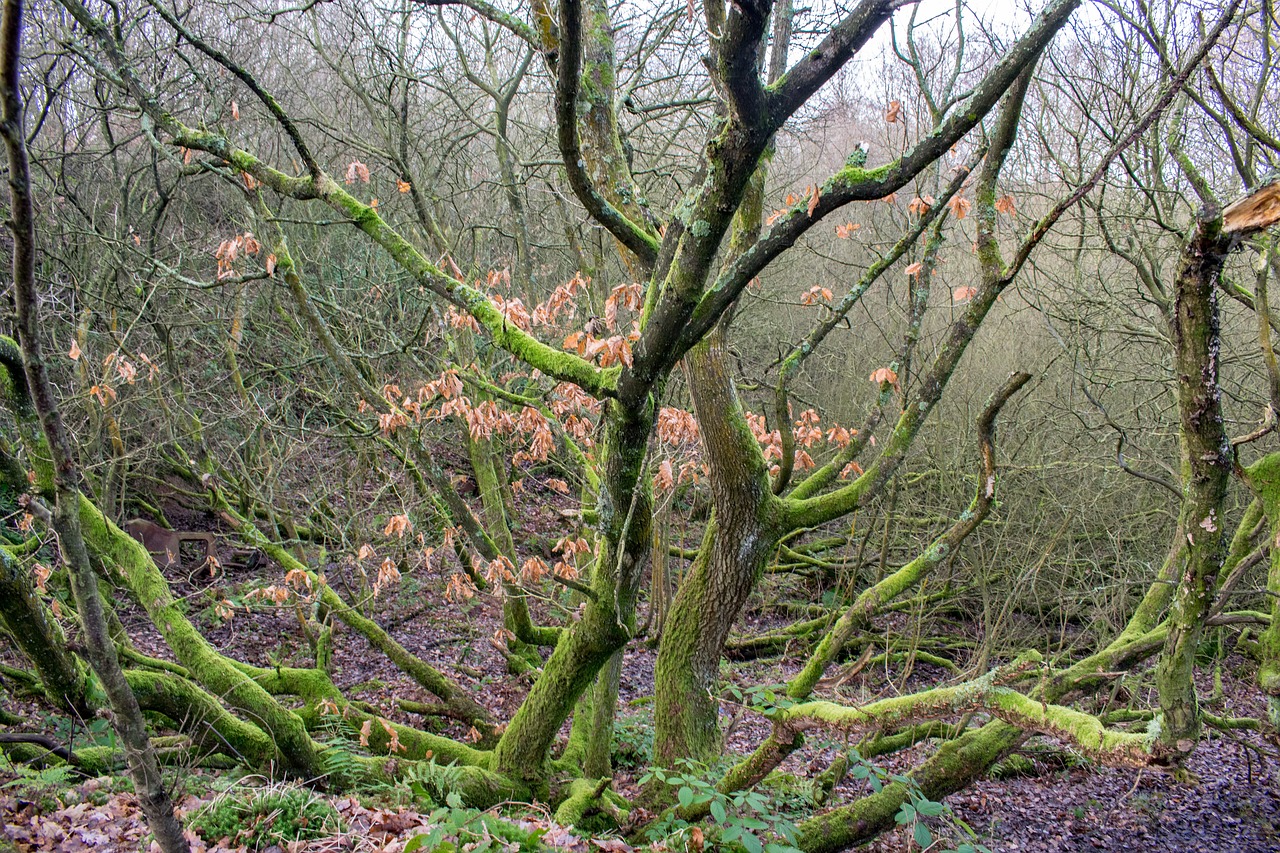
(884, 375)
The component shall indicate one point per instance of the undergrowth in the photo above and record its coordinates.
(258, 818)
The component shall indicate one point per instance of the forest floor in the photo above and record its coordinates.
(1055, 802)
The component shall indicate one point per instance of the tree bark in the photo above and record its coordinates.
(144, 767)
(1206, 469)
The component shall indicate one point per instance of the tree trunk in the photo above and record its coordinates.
(127, 720)
(1206, 468)
(735, 549)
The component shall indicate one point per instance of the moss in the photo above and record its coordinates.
(66, 681)
(135, 569)
(477, 786)
(850, 176)
(590, 807)
(1263, 477)
(956, 764)
(201, 716)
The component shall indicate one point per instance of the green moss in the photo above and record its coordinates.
(851, 176)
(262, 818)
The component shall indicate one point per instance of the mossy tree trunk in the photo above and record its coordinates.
(144, 767)
(1263, 477)
(34, 631)
(1206, 470)
(739, 542)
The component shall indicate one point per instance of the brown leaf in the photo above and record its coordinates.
(894, 112)
(884, 375)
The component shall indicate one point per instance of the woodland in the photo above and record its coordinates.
(585, 425)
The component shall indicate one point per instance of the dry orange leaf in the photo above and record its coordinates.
(894, 112)
(403, 186)
(884, 375)
(357, 171)
(959, 206)
(816, 294)
(1005, 205)
(964, 294)
(920, 205)
(914, 269)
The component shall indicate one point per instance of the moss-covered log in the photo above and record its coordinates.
(65, 679)
(134, 569)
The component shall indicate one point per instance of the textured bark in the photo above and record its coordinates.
(739, 542)
(1206, 470)
(62, 676)
(127, 720)
(624, 508)
(1263, 477)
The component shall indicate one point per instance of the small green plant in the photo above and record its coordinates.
(456, 828)
(743, 820)
(917, 807)
(633, 739)
(764, 699)
(42, 786)
(435, 783)
(262, 817)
